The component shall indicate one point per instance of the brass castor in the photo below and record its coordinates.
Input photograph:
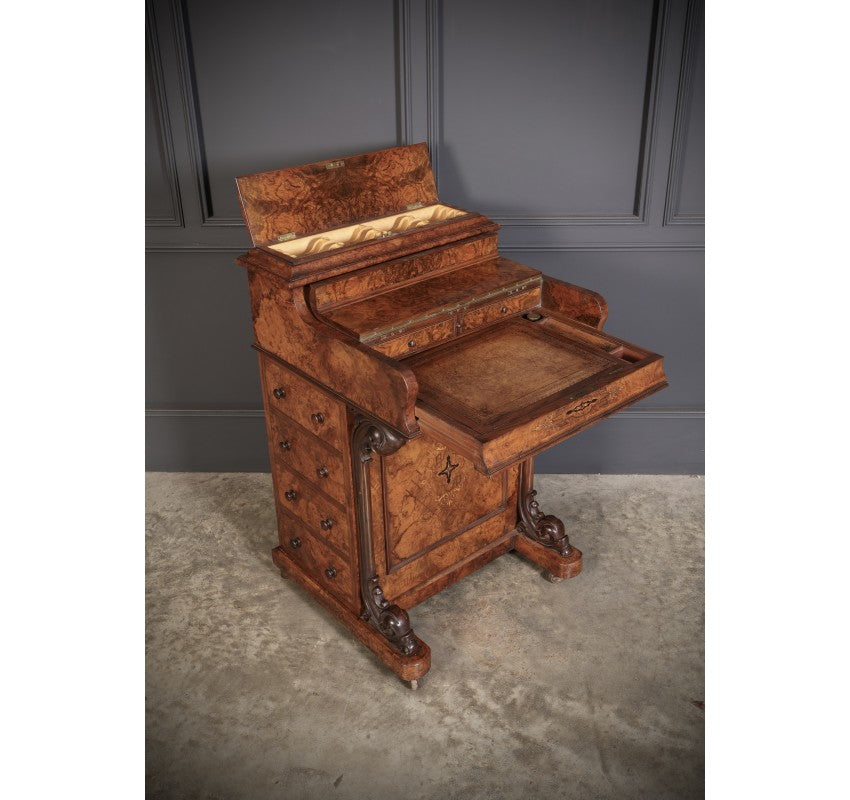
(551, 578)
(414, 684)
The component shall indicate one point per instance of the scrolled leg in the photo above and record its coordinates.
(371, 436)
(543, 528)
(391, 620)
(543, 538)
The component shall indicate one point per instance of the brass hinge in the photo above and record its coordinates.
(334, 164)
(412, 206)
(285, 237)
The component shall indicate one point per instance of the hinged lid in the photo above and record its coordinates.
(331, 194)
(561, 377)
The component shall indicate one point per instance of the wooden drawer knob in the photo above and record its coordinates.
(318, 418)
(285, 445)
(295, 543)
(279, 393)
(327, 524)
(331, 572)
(290, 494)
(322, 472)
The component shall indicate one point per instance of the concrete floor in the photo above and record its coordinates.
(582, 689)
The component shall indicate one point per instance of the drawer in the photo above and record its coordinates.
(321, 516)
(304, 402)
(296, 449)
(323, 565)
(504, 307)
(413, 341)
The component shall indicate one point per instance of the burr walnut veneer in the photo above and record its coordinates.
(410, 374)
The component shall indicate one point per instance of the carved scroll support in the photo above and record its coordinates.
(544, 539)
(543, 528)
(369, 436)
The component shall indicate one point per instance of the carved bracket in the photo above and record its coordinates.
(370, 436)
(542, 528)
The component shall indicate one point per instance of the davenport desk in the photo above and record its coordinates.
(410, 375)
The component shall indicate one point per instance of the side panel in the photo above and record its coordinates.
(431, 512)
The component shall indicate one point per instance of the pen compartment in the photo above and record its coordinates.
(380, 228)
(627, 354)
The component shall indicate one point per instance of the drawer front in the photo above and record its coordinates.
(304, 402)
(323, 565)
(505, 307)
(413, 341)
(320, 515)
(296, 449)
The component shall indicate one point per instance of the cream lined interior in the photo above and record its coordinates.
(374, 229)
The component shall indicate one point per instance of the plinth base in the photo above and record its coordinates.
(409, 668)
(556, 565)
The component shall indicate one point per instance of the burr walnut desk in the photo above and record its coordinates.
(410, 374)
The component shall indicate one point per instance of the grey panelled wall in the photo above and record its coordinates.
(577, 124)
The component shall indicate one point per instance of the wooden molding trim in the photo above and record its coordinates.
(684, 100)
(186, 439)
(587, 247)
(581, 247)
(643, 184)
(434, 86)
(189, 96)
(404, 72)
(258, 413)
(166, 141)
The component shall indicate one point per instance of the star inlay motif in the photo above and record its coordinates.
(448, 469)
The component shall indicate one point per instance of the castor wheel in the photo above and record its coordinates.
(551, 578)
(414, 684)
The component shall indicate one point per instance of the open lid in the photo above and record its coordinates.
(511, 390)
(331, 194)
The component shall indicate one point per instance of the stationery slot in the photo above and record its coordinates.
(624, 353)
(375, 229)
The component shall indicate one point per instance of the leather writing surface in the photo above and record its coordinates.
(507, 371)
(509, 391)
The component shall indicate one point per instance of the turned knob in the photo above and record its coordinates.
(322, 472)
(504, 309)
(327, 524)
(295, 543)
(318, 418)
(411, 343)
(290, 494)
(279, 393)
(285, 444)
(331, 572)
